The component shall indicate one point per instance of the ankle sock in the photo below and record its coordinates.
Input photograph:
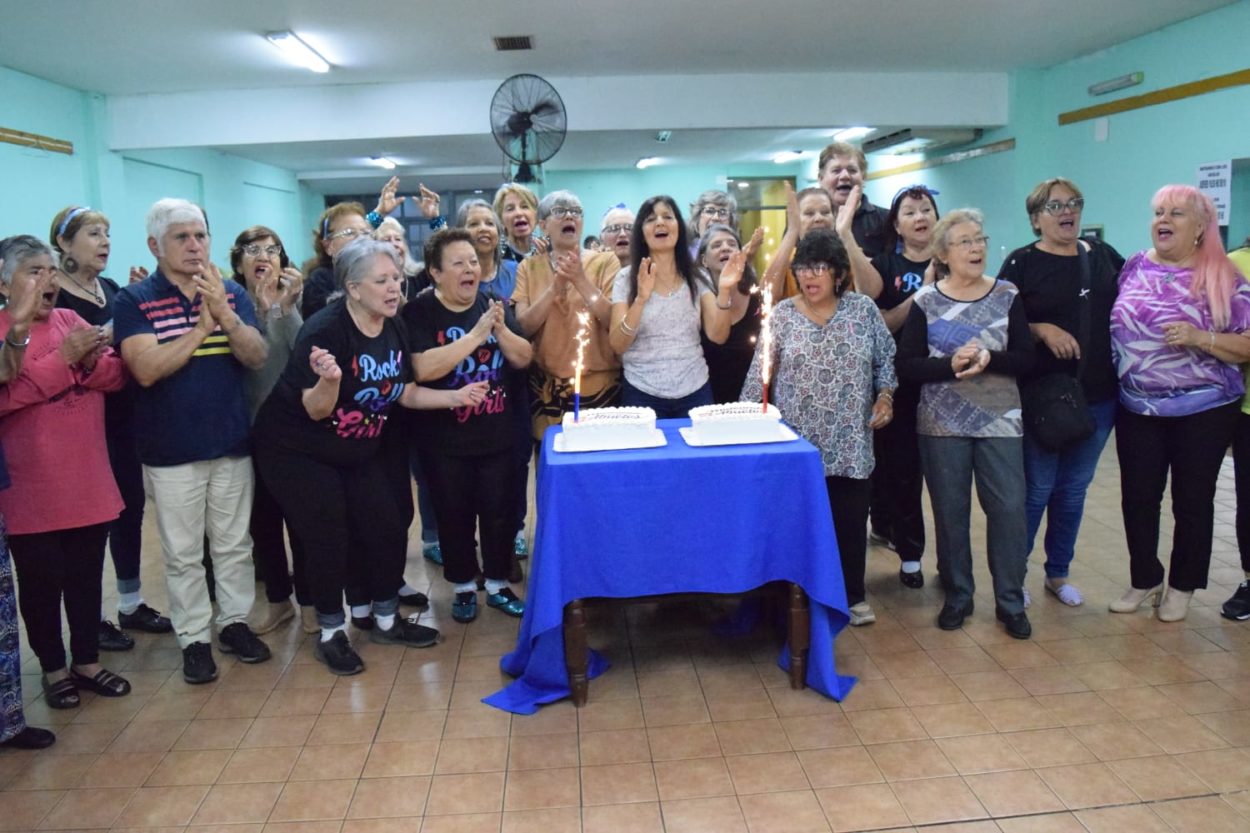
(362, 611)
(328, 633)
(911, 566)
(128, 603)
(466, 587)
(385, 622)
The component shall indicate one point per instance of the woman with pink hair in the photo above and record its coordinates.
(1178, 331)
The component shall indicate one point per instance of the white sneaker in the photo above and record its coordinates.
(861, 614)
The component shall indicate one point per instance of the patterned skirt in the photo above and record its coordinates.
(11, 720)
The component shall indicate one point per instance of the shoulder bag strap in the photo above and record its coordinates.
(1082, 334)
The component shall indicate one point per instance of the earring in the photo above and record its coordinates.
(69, 265)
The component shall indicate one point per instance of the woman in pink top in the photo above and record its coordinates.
(63, 495)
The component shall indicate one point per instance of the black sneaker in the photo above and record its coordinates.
(1017, 624)
(197, 663)
(417, 600)
(338, 655)
(145, 619)
(405, 632)
(1238, 605)
(111, 639)
(239, 640)
(363, 623)
(952, 616)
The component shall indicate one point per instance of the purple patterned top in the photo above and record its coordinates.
(1158, 380)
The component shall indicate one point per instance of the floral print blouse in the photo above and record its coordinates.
(825, 379)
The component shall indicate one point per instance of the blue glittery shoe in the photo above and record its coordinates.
(506, 601)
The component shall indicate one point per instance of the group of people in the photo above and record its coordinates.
(296, 404)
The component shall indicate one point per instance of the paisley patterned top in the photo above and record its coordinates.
(1157, 379)
(826, 378)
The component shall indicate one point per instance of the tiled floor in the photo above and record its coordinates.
(1100, 723)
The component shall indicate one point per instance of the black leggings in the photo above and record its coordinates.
(469, 492)
(269, 548)
(64, 564)
(349, 521)
(897, 484)
(848, 501)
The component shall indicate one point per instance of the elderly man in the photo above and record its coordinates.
(189, 339)
(618, 225)
(842, 167)
(550, 292)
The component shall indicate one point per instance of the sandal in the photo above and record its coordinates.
(62, 694)
(105, 684)
(1066, 593)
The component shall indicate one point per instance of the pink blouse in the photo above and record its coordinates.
(52, 432)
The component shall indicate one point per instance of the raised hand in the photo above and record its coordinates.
(292, 283)
(792, 209)
(471, 395)
(846, 212)
(138, 274)
(268, 291)
(324, 364)
(541, 245)
(429, 203)
(387, 199)
(732, 271)
(79, 343)
(757, 238)
(646, 279)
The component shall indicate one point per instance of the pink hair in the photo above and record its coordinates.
(1214, 274)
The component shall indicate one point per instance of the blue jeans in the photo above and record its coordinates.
(1056, 484)
(950, 465)
(664, 408)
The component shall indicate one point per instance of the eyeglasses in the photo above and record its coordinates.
(562, 211)
(349, 234)
(256, 250)
(717, 211)
(812, 270)
(1054, 208)
(972, 242)
(617, 228)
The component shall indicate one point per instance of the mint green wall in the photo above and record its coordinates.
(235, 192)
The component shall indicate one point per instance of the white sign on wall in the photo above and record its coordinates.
(1215, 179)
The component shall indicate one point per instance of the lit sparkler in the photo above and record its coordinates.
(766, 339)
(582, 339)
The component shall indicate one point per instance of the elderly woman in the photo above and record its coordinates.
(25, 293)
(711, 208)
(834, 382)
(659, 309)
(517, 207)
(727, 363)
(1068, 286)
(809, 209)
(58, 540)
(550, 293)
(260, 263)
(338, 226)
(392, 231)
(80, 235)
(896, 518)
(469, 453)
(318, 438)
(1178, 331)
(965, 341)
(615, 231)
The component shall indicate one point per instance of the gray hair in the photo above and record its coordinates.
(462, 215)
(713, 197)
(171, 211)
(566, 199)
(353, 260)
(941, 245)
(411, 267)
(18, 249)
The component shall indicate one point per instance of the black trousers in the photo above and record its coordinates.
(1241, 478)
(897, 482)
(474, 492)
(126, 533)
(848, 501)
(269, 548)
(1191, 448)
(349, 520)
(67, 564)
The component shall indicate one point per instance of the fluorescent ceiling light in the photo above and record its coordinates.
(646, 162)
(850, 134)
(298, 52)
(382, 162)
(787, 156)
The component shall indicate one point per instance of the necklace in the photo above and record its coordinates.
(96, 294)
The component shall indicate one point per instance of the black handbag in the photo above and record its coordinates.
(1056, 414)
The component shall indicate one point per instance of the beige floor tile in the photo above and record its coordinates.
(602, 715)
(886, 726)
(783, 812)
(910, 759)
(1224, 770)
(1179, 733)
(1049, 747)
(862, 807)
(938, 800)
(87, 808)
(819, 731)
(623, 818)
(618, 784)
(1232, 726)
(839, 767)
(162, 806)
(952, 719)
(1200, 815)
(47, 772)
(1017, 714)
(181, 768)
(1013, 793)
(313, 800)
(774, 772)
(463, 823)
(981, 753)
(615, 746)
(1158, 778)
(674, 710)
(1044, 823)
(214, 734)
(697, 815)
(479, 793)
(465, 755)
(1086, 785)
(541, 788)
(238, 803)
(694, 778)
(253, 765)
(552, 820)
(1138, 818)
(344, 728)
(1114, 741)
(330, 763)
(391, 798)
(747, 737)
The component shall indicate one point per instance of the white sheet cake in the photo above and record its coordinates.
(734, 423)
(603, 429)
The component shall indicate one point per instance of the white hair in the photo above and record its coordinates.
(171, 211)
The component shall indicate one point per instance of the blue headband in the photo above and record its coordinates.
(932, 192)
(82, 209)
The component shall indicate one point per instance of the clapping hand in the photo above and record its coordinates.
(471, 396)
(80, 345)
(388, 201)
(732, 271)
(646, 279)
(138, 274)
(486, 324)
(792, 209)
(212, 290)
(324, 364)
(757, 238)
(846, 212)
(429, 203)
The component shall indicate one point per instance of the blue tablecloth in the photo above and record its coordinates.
(722, 519)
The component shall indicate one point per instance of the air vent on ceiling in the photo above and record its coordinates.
(512, 43)
(921, 139)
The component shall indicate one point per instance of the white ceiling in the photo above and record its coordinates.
(136, 47)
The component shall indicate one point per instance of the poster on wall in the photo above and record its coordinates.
(1215, 179)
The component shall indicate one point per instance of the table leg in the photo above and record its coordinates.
(576, 652)
(800, 637)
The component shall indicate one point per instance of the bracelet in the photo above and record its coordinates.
(374, 218)
(626, 329)
(17, 345)
(438, 222)
(886, 395)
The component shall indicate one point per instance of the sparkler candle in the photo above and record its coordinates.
(582, 338)
(766, 339)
